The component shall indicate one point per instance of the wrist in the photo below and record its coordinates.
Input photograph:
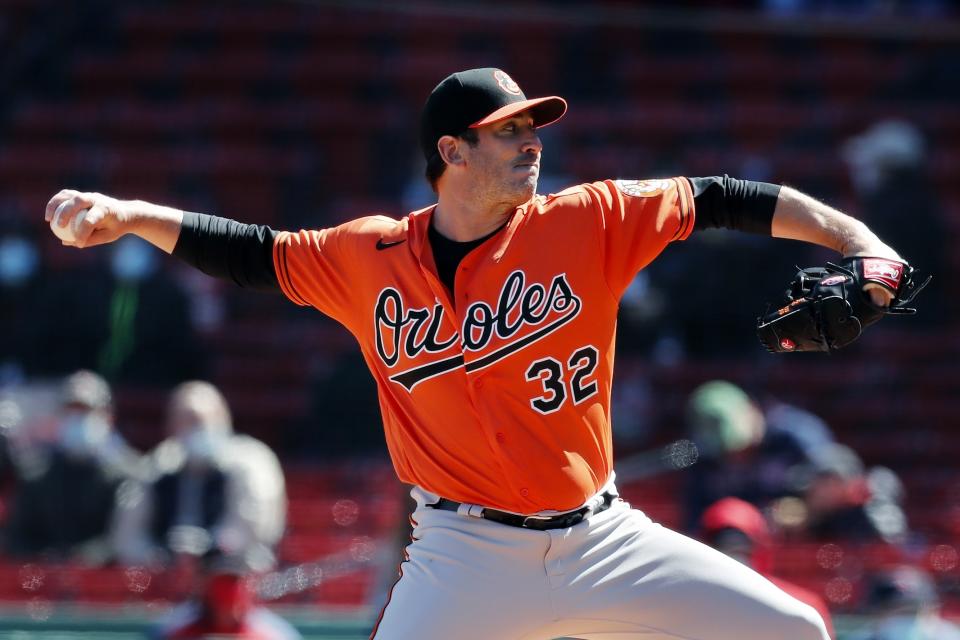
(146, 219)
(872, 250)
(864, 243)
(136, 216)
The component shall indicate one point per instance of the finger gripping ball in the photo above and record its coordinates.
(69, 232)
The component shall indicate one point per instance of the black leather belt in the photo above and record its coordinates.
(540, 523)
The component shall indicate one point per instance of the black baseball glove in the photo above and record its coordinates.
(827, 308)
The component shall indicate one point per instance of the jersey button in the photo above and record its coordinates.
(501, 437)
(524, 492)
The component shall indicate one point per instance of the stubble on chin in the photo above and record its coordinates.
(527, 189)
(513, 193)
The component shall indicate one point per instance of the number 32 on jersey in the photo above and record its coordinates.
(557, 377)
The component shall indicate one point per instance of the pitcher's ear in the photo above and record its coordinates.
(450, 150)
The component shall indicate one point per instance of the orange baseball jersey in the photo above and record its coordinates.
(497, 393)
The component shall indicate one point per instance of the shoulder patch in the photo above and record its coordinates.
(642, 188)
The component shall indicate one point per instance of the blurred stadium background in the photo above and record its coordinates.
(303, 114)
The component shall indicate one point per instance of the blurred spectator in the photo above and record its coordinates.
(844, 501)
(65, 504)
(146, 308)
(19, 264)
(889, 171)
(738, 529)
(129, 319)
(743, 451)
(11, 417)
(224, 606)
(212, 489)
(904, 605)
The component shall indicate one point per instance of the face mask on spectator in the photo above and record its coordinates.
(902, 627)
(18, 261)
(202, 445)
(132, 260)
(81, 434)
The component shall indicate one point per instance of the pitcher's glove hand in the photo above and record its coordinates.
(827, 308)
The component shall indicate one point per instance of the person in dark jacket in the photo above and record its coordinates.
(212, 489)
(746, 449)
(65, 507)
(904, 605)
(846, 501)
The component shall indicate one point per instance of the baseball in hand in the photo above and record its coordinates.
(69, 232)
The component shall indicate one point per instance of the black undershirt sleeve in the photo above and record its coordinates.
(228, 249)
(743, 205)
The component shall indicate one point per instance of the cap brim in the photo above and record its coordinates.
(544, 110)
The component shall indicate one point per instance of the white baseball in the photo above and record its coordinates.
(68, 233)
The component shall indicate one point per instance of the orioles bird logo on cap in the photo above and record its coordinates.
(506, 83)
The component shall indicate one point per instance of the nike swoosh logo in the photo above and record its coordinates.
(381, 245)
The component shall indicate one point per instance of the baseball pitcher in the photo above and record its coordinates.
(488, 321)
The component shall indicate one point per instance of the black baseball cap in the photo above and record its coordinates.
(475, 97)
